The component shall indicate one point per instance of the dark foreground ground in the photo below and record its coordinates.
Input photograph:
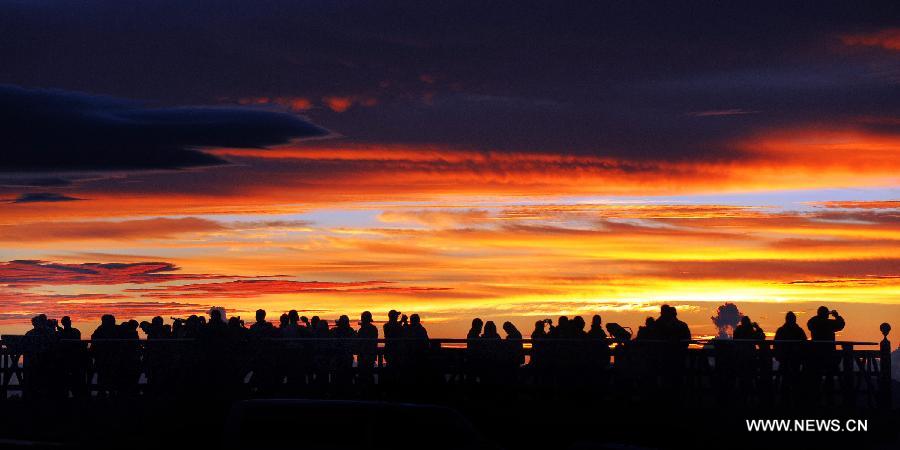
(563, 422)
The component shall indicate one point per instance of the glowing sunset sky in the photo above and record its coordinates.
(510, 160)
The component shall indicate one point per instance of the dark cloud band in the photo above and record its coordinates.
(65, 131)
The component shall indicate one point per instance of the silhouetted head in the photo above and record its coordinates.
(822, 311)
(108, 320)
(343, 321)
(477, 324)
(667, 311)
(650, 322)
(414, 319)
(490, 328)
(393, 314)
(509, 328)
(234, 322)
(539, 325)
(37, 321)
(283, 320)
(578, 323)
(260, 315)
(66, 321)
(132, 324)
(745, 321)
(293, 316)
(790, 318)
(215, 315)
(562, 322)
(366, 317)
(596, 321)
(157, 321)
(314, 321)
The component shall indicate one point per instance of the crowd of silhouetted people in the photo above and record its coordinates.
(304, 356)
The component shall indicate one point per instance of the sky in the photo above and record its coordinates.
(510, 160)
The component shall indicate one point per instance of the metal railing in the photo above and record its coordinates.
(703, 370)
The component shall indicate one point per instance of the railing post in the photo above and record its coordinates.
(847, 373)
(766, 383)
(884, 378)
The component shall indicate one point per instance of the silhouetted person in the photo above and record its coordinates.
(578, 326)
(156, 329)
(823, 360)
(475, 331)
(322, 352)
(748, 330)
(476, 356)
(265, 362)
(236, 328)
(539, 347)
(416, 330)
(291, 329)
(539, 331)
(490, 330)
(368, 348)
(73, 358)
(790, 331)
(647, 332)
(216, 352)
(488, 352)
(417, 343)
(561, 330)
(41, 381)
(671, 328)
(216, 328)
(343, 350)
(821, 328)
(790, 354)
(745, 357)
(514, 343)
(105, 354)
(262, 328)
(393, 330)
(596, 331)
(599, 352)
(129, 358)
(671, 354)
(67, 331)
(511, 331)
(342, 329)
(159, 358)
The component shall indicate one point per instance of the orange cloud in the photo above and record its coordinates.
(888, 39)
(19, 307)
(343, 103)
(39, 273)
(436, 218)
(160, 228)
(886, 204)
(296, 178)
(297, 104)
(338, 104)
(256, 288)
